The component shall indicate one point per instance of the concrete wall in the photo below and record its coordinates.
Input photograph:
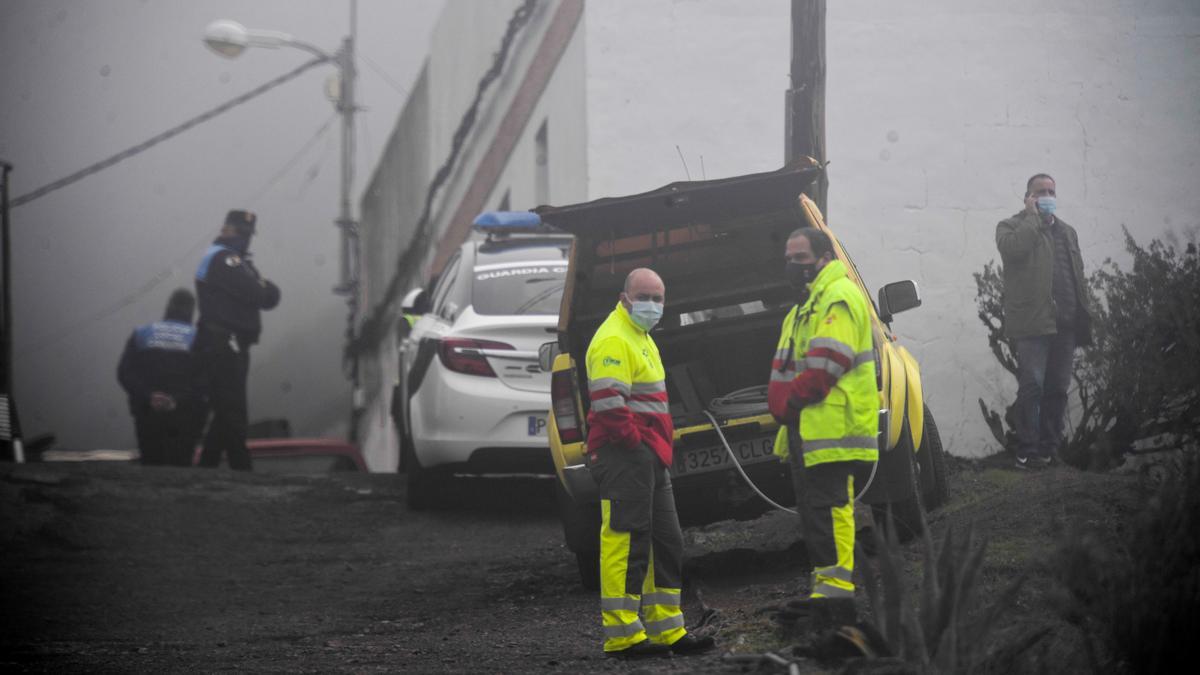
(937, 112)
(391, 207)
(465, 38)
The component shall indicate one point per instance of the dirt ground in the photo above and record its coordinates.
(112, 567)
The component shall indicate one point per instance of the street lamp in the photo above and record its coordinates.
(230, 39)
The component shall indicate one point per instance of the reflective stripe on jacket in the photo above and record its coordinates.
(627, 388)
(824, 369)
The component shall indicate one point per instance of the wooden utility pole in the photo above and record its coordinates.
(805, 113)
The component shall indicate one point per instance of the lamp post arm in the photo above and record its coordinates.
(272, 39)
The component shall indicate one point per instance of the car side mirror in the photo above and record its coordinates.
(546, 355)
(896, 297)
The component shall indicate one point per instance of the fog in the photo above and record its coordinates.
(84, 80)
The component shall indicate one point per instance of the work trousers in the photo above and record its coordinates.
(641, 548)
(226, 365)
(1044, 365)
(168, 437)
(825, 500)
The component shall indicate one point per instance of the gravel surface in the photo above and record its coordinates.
(113, 567)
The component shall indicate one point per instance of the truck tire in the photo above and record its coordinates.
(904, 510)
(581, 529)
(931, 466)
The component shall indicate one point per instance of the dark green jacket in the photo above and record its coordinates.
(1027, 251)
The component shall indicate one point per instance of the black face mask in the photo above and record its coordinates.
(800, 275)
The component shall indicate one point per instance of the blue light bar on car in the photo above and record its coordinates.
(508, 221)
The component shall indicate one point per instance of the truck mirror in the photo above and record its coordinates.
(896, 297)
(546, 355)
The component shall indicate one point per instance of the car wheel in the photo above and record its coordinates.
(581, 529)
(931, 466)
(904, 512)
(424, 487)
(588, 563)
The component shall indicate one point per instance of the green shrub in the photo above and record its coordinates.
(1139, 377)
(1138, 603)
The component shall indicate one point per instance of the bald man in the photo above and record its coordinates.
(630, 446)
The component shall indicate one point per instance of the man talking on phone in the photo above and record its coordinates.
(1045, 316)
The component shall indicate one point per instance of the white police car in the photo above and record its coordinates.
(472, 397)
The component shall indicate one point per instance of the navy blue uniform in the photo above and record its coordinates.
(231, 294)
(158, 357)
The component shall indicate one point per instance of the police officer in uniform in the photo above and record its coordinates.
(231, 294)
(160, 373)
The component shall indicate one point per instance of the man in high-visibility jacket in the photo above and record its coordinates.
(630, 445)
(822, 392)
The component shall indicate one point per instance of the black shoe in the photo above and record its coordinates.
(1042, 460)
(641, 650)
(690, 644)
(1023, 463)
(819, 613)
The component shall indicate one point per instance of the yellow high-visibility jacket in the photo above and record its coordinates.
(824, 368)
(627, 388)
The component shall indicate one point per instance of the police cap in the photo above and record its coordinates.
(244, 221)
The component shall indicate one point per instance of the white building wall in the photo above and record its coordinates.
(391, 207)
(465, 39)
(563, 107)
(936, 114)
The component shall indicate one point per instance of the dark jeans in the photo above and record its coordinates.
(226, 367)
(1044, 366)
(167, 437)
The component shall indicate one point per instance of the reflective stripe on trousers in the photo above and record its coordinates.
(660, 607)
(619, 610)
(837, 581)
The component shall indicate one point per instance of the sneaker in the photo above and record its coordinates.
(1042, 460)
(1023, 463)
(641, 650)
(690, 644)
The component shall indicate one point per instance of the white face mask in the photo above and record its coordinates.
(646, 313)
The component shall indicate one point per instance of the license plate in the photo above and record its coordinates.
(537, 425)
(716, 458)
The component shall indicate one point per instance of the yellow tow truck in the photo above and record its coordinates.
(718, 246)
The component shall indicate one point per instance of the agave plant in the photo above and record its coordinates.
(944, 633)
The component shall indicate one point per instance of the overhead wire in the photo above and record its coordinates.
(167, 272)
(166, 135)
(374, 325)
(292, 161)
(399, 88)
